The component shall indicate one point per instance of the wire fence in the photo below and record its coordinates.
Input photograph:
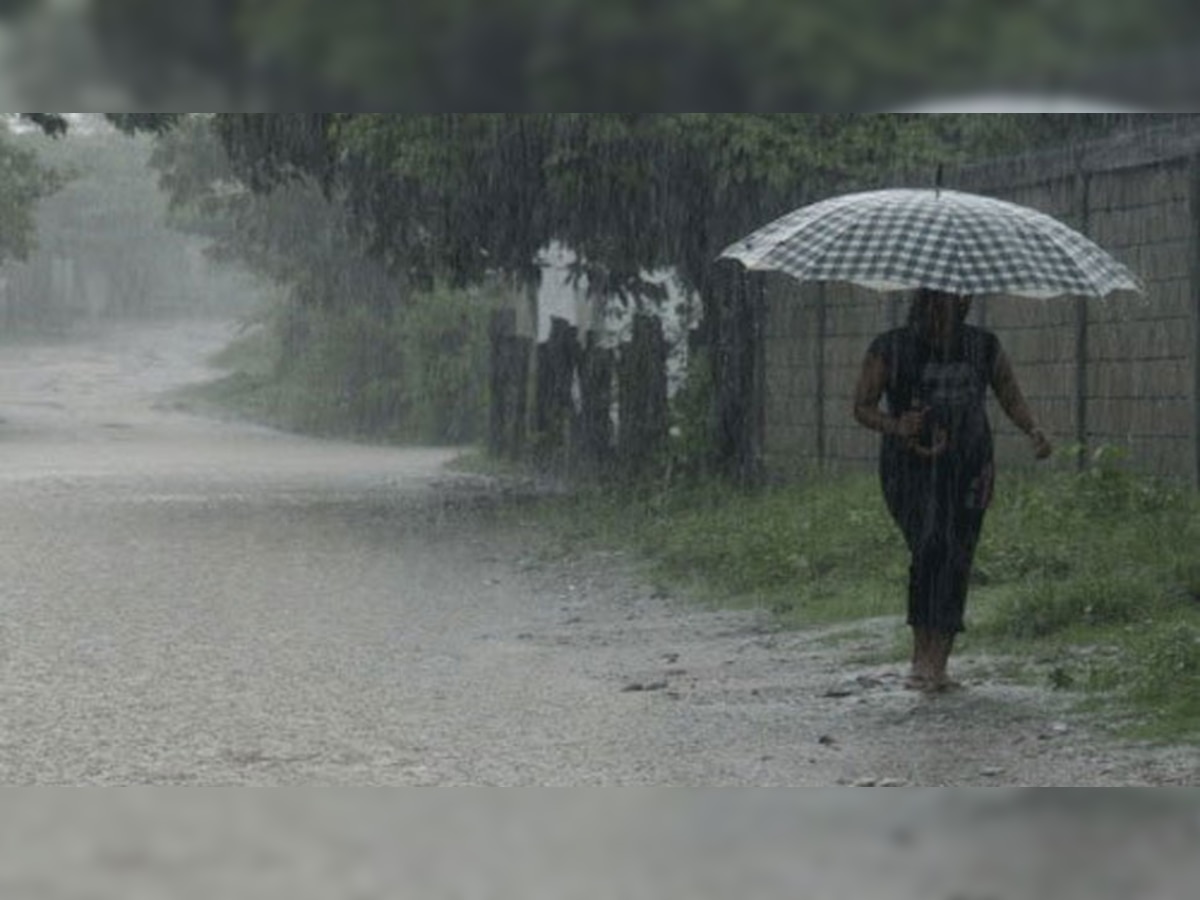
(1119, 372)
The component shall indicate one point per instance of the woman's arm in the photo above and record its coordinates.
(871, 383)
(1012, 401)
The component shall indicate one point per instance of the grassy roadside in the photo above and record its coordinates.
(1089, 584)
(248, 390)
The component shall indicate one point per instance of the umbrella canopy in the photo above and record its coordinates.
(902, 239)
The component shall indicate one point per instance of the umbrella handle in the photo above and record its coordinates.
(936, 435)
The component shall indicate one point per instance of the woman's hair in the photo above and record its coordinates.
(924, 298)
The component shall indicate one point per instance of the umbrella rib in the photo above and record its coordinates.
(1069, 245)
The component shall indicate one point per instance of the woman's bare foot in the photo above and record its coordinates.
(943, 684)
(931, 683)
(917, 681)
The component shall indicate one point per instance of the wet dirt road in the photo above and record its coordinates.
(186, 601)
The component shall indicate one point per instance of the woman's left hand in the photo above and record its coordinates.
(1042, 448)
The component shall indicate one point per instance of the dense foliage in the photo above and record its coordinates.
(455, 196)
(23, 183)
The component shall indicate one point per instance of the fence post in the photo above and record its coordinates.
(1194, 210)
(822, 325)
(594, 445)
(756, 454)
(1083, 216)
(642, 395)
(500, 329)
(554, 412)
(737, 442)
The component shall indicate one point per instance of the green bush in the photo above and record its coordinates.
(1110, 485)
(1187, 579)
(413, 373)
(1043, 608)
(1166, 666)
(793, 538)
(446, 352)
(1156, 678)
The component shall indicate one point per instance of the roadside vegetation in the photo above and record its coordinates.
(411, 375)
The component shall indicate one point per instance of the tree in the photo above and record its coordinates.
(23, 183)
(367, 353)
(458, 195)
(259, 211)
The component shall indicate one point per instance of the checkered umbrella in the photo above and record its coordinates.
(902, 239)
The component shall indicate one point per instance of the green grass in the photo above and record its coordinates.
(250, 389)
(1086, 584)
(812, 554)
(255, 352)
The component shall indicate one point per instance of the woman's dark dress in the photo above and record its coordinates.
(939, 503)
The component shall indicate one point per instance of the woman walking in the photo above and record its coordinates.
(936, 460)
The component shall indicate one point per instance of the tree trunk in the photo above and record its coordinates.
(642, 397)
(737, 373)
(593, 445)
(507, 383)
(554, 413)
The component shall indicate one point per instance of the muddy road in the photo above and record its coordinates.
(188, 601)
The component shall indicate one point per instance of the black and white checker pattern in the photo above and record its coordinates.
(901, 239)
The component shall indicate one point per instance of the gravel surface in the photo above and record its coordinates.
(195, 602)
